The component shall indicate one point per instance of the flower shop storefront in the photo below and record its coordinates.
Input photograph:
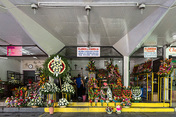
(103, 85)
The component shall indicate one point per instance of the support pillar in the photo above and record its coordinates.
(126, 71)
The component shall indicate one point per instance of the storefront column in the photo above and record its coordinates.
(166, 55)
(126, 71)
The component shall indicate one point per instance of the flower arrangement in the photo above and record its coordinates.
(143, 68)
(97, 92)
(50, 103)
(117, 91)
(102, 73)
(103, 94)
(36, 101)
(91, 66)
(15, 102)
(135, 69)
(109, 94)
(136, 93)
(49, 88)
(43, 79)
(126, 102)
(63, 102)
(67, 88)
(67, 78)
(110, 66)
(126, 93)
(117, 99)
(92, 83)
(91, 94)
(109, 109)
(118, 109)
(165, 68)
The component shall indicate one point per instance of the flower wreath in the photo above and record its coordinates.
(91, 94)
(117, 91)
(46, 67)
(97, 93)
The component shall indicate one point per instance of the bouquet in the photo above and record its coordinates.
(67, 88)
(126, 102)
(109, 109)
(49, 88)
(50, 103)
(63, 102)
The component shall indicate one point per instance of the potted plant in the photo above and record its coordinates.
(109, 110)
(126, 103)
(50, 104)
(118, 109)
(63, 103)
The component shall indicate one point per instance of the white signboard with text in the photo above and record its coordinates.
(150, 52)
(172, 51)
(88, 52)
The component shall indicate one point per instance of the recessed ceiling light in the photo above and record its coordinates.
(34, 57)
(174, 36)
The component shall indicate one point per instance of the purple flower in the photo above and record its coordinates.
(126, 99)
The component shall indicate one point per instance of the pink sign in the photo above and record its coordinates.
(14, 50)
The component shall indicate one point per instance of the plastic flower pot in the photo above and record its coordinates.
(109, 112)
(84, 98)
(118, 112)
(51, 110)
(34, 106)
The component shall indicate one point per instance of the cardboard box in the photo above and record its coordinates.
(155, 97)
(174, 96)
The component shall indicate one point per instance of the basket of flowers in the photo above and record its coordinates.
(109, 109)
(63, 103)
(49, 88)
(36, 101)
(126, 103)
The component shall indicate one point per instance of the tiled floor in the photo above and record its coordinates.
(112, 115)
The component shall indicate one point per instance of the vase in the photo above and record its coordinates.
(34, 106)
(118, 112)
(126, 106)
(109, 113)
(62, 106)
(51, 110)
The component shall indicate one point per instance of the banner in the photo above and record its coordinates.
(88, 52)
(14, 50)
(150, 52)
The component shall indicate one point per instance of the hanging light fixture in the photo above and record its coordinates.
(88, 8)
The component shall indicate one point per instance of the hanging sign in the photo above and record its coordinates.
(56, 66)
(172, 51)
(150, 52)
(88, 52)
(14, 50)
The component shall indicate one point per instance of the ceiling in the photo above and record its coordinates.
(108, 24)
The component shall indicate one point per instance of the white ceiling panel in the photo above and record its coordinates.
(105, 22)
(11, 31)
(165, 30)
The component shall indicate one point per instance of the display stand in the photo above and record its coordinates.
(165, 86)
(147, 85)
